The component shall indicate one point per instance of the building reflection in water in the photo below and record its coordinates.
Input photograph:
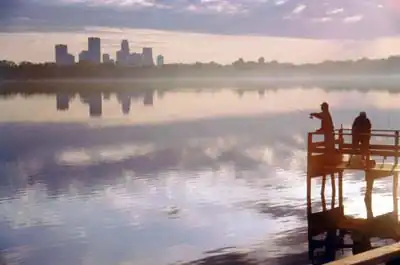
(261, 93)
(106, 95)
(63, 100)
(148, 98)
(95, 102)
(125, 99)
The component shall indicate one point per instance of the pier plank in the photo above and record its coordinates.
(372, 257)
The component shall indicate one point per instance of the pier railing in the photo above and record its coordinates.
(382, 160)
(383, 143)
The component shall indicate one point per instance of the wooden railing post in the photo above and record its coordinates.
(309, 210)
(341, 140)
(396, 152)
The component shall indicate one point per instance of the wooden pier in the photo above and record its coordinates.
(327, 228)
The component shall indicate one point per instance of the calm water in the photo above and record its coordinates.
(157, 177)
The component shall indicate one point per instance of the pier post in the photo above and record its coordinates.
(395, 194)
(310, 242)
(340, 180)
(323, 193)
(333, 184)
(309, 154)
(368, 195)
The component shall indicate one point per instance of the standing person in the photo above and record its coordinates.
(361, 133)
(326, 125)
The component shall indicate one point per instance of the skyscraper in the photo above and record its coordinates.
(160, 60)
(147, 57)
(61, 50)
(84, 56)
(123, 53)
(62, 55)
(107, 58)
(94, 50)
(135, 59)
(125, 46)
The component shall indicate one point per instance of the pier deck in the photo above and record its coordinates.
(332, 225)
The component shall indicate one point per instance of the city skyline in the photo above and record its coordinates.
(94, 55)
(189, 48)
(190, 31)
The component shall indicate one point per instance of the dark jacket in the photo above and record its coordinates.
(326, 121)
(361, 125)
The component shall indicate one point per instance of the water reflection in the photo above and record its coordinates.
(125, 101)
(63, 100)
(162, 181)
(95, 100)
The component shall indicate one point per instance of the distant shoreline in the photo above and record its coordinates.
(215, 78)
(387, 82)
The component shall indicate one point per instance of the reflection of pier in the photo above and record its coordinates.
(327, 228)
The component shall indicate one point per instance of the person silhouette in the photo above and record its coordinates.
(361, 133)
(326, 125)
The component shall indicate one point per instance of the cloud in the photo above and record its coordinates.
(299, 9)
(335, 11)
(107, 3)
(283, 18)
(353, 19)
(217, 6)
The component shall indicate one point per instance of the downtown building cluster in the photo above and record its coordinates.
(94, 55)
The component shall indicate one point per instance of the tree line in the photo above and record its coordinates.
(28, 70)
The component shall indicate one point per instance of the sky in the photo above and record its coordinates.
(204, 30)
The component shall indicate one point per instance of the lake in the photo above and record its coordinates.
(163, 176)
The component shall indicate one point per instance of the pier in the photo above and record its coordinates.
(329, 228)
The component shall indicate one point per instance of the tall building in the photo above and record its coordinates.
(124, 53)
(94, 50)
(84, 56)
(62, 55)
(61, 50)
(160, 60)
(135, 59)
(125, 46)
(107, 58)
(147, 59)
